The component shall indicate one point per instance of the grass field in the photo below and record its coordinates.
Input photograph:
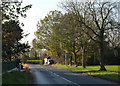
(111, 73)
(15, 77)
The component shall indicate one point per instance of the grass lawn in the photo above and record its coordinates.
(34, 60)
(93, 70)
(16, 77)
(115, 68)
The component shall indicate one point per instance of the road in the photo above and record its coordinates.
(47, 75)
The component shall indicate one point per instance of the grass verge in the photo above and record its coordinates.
(15, 77)
(93, 71)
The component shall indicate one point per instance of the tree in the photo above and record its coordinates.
(20, 48)
(64, 35)
(46, 37)
(72, 37)
(96, 18)
(13, 10)
(12, 34)
(44, 28)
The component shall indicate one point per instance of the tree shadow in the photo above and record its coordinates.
(86, 71)
(110, 76)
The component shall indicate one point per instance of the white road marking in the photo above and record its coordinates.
(62, 77)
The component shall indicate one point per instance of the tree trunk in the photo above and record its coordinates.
(102, 67)
(63, 59)
(10, 58)
(66, 59)
(75, 54)
(75, 59)
(83, 57)
(70, 60)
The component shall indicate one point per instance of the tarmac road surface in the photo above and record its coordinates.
(45, 75)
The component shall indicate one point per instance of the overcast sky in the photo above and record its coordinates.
(39, 10)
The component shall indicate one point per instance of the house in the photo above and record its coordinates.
(47, 60)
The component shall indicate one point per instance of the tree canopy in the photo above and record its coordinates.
(83, 35)
(12, 32)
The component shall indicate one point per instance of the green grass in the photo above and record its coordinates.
(115, 68)
(23, 65)
(93, 70)
(34, 60)
(106, 75)
(15, 77)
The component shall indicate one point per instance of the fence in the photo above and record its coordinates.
(8, 65)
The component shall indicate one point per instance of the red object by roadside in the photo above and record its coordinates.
(26, 67)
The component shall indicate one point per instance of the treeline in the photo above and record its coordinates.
(86, 34)
(12, 31)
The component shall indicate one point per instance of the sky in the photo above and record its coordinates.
(40, 8)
